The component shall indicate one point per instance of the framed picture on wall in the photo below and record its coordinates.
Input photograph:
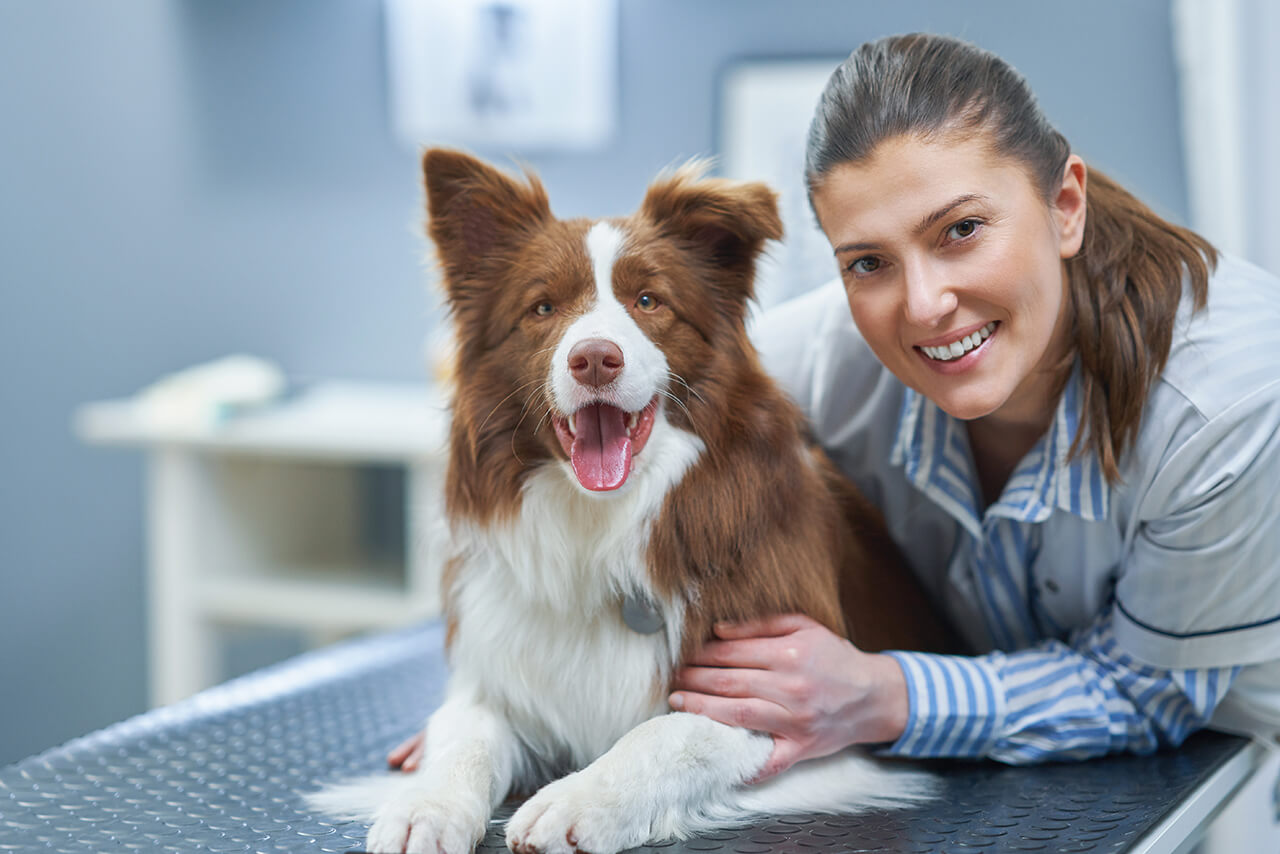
(523, 74)
(765, 108)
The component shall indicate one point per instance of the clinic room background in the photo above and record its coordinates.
(184, 179)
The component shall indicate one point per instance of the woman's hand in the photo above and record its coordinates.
(790, 676)
(408, 754)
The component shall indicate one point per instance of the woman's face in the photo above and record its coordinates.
(952, 264)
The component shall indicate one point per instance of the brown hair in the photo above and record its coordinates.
(1124, 284)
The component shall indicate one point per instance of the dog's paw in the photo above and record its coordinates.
(574, 814)
(425, 826)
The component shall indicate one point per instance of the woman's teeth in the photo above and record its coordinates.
(958, 348)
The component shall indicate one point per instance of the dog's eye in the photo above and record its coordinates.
(647, 302)
(544, 309)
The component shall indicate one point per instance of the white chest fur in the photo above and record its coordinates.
(540, 634)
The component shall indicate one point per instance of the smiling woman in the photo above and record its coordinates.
(928, 263)
(1065, 408)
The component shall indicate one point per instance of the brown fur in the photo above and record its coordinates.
(762, 523)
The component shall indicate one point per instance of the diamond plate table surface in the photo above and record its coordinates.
(222, 772)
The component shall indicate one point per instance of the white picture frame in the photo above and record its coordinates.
(513, 74)
(765, 109)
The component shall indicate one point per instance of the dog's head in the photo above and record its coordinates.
(577, 339)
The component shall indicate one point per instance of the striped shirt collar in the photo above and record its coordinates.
(933, 449)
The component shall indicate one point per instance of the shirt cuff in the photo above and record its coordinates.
(956, 706)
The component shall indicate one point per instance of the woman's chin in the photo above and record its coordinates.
(966, 407)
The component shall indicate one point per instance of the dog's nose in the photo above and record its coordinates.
(595, 362)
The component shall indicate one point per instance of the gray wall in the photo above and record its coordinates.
(180, 179)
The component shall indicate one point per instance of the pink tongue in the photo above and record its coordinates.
(601, 452)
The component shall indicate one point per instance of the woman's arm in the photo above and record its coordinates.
(817, 694)
(1053, 701)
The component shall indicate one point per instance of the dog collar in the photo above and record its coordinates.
(641, 615)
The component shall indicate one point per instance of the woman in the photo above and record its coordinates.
(1067, 410)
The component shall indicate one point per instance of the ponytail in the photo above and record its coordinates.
(1124, 289)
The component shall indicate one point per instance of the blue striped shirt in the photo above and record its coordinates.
(1062, 695)
(1109, 617)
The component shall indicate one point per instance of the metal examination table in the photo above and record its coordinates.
(221, 772)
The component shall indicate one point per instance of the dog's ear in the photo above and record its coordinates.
(725, 222)
(475, 210)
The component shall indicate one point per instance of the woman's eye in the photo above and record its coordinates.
(544, 309)
(862, 266)
(646, 302)
(962, 229)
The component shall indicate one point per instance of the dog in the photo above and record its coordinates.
(622, 474)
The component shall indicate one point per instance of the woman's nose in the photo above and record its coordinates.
(929, 297)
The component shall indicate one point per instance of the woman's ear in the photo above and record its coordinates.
(1070, 206)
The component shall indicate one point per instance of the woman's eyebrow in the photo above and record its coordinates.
(930, 219)
(853, 247)
(925, 224)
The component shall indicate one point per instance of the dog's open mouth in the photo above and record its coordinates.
(601, 440)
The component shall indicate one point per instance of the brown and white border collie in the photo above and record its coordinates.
(616, 447)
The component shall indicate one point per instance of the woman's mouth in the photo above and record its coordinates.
(960, 346)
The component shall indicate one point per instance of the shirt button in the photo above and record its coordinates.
(1051, 585)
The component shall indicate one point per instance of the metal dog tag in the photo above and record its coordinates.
(641, 615)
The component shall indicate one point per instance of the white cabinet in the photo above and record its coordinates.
(318, 513)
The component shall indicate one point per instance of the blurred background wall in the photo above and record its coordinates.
(181, 179)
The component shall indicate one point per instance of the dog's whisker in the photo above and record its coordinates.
(518, 389)
(524, 408)
(549, 413)
(678, 402)
(524, 412)
(693, 391)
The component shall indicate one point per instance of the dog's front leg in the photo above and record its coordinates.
(467, 767)
(647, 787)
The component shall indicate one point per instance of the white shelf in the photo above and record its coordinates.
(333, 420)
(270, 517)
(323, 605)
